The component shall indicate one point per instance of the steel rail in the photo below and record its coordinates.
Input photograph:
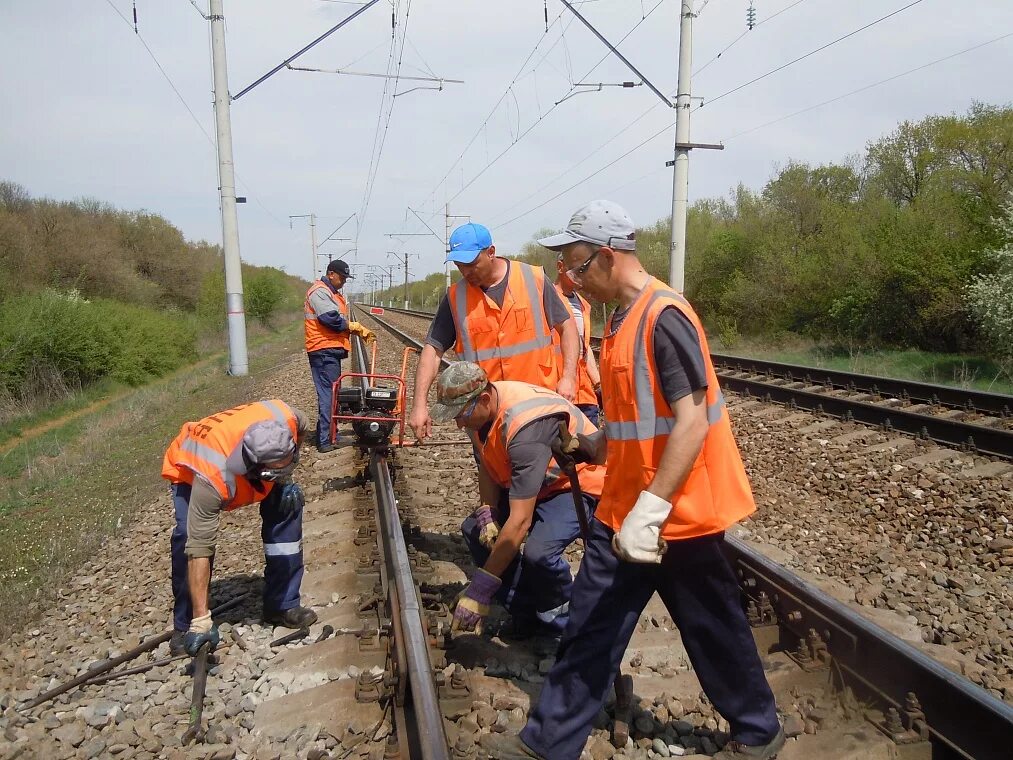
(423, 735)
(964, 720)
(401, 335)
(995, 404)
(991, 441)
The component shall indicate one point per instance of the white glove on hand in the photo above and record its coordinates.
(639, 537)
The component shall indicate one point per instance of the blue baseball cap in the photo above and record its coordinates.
(467, 241)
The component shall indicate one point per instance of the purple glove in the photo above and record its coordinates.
(473, 605)
(488, 527)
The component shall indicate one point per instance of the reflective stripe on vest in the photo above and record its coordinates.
(716, 492)
(523, 288)
(519, 405)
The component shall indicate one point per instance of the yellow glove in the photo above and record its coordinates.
(357, 328)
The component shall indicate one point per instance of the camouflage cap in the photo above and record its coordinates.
(456, 386)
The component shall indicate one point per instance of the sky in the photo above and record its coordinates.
(87, 113)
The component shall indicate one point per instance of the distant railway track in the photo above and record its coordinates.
(930, 712)
(967, 419)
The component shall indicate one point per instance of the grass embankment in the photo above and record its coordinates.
(64, 491)
(959, 370)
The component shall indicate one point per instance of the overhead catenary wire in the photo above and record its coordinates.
(821, 48)
(813, 107)
(189, 110)
(734, 42)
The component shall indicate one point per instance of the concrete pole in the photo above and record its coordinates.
(680, 176)
(405, 281)
(313, 243)
(236, 316)
(446, 236)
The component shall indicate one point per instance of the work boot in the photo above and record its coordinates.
(507, 747)
(739, 751)
(326, 448)
(176, 644)
(294, 617)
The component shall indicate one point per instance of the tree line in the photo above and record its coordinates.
(89, 292)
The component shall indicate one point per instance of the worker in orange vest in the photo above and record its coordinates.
(525, 497)
(588, 379)
(675, 483)
(225, 461)
(500, 315)
(327, 327)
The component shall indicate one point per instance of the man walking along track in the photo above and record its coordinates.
(525, 497)
(499, 315)
(223, 462)
(327, 329)
(675, 483)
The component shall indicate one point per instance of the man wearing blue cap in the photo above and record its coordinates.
(500, 315)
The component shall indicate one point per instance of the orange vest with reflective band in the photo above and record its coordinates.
(203, 447)
(716, 494)
(585, 388)
(523, 403)
(318, 335)
(512, 342)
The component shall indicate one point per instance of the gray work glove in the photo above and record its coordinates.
(291, 498)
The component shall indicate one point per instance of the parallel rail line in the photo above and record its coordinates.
(918, 702)
(924, 410)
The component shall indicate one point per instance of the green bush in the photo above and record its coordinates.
(85, 341)
(265, 291)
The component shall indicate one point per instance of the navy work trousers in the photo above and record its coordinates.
(281, 533)
(537, 584)
(325, 365)
(697, 586)
(590, 411)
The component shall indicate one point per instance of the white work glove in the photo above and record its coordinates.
(639, 537)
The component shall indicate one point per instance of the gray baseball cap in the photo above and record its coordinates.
(600, 223)
(455, 387)
(265, 441)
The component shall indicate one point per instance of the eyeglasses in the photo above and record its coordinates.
(577, 273)
(469, 409)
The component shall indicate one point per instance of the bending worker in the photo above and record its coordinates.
(588, 379)
(525, 497)
(499, 315)
(327, 328)
(220, 463)
(675, 484)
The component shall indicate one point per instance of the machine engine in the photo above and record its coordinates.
(371, 411)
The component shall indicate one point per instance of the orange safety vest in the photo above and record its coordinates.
(318, 335)
(523, 403)
(203, 448)
(512, 342)
(585, 388)
(639, 420)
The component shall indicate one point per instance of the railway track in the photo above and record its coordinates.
(970, 420)
(901, 702)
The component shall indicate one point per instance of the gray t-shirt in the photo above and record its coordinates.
(443, 331)
(530, 452)
(677, 353)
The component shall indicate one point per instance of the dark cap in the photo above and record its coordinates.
(342, 268)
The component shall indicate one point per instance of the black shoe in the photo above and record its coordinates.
(325, 448)
(295, 617)
(176, 644)
(507, 747)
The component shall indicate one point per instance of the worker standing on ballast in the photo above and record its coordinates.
(500, 316)
(588, 379)
(327, 328)
(525, 497)
(220, 463)
(675, 484)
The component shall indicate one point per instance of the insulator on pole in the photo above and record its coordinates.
(750, 16)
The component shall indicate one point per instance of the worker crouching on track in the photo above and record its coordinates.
(500, 316)
(525, 497)
(675, 483)
(327, 329)
(222, 462)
